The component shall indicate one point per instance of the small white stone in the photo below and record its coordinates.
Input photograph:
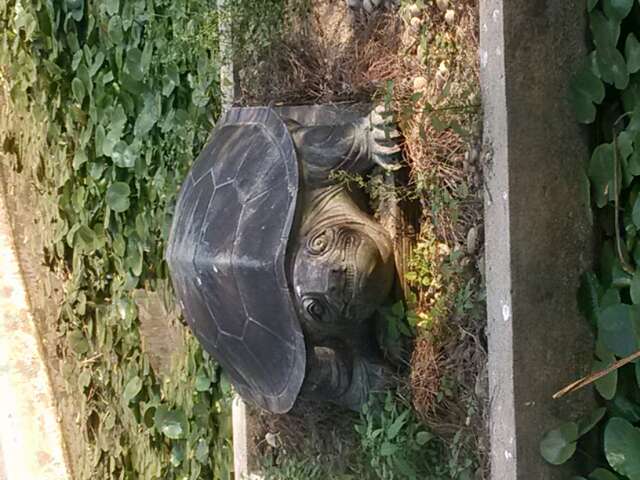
(472, 240)
(416, 24)
(419, 84)
(443, 249)
(442, 5)
(450, 17)
(414, 10)
(272, 439)
(441, 75)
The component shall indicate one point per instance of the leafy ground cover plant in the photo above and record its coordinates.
(128, 91)
(605, 94)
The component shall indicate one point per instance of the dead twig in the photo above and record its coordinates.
(594, 377)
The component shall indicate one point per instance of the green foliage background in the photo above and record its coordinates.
(606, 93)
(129, 90)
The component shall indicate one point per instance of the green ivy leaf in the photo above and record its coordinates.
(591, 4)
(606, 31)
(97, 63)
(617, 329)
(112, 6)
(118, 196)
(635, 285)
(585, 90)
(601, 173)
(203, 381)
(173, 424)
(77, 58)
(621, 445)
(613, 67)
(133, 64)
(85, 239)
(632, 53)
(123, 155)
(132, 389)
(148, 116)
(202, 452)
(602, 474)
(587, 423)
(114, 29)
(78, 342)
(422, 438)
(178, 453)
(617, 9)
(77, 87)
(79, 159)
(387, 449)
(559, 445)
(606, 386)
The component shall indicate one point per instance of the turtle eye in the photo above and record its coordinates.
(319, 243)
(314, 308)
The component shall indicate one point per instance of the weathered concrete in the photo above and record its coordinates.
(538, 237)
(30, 436)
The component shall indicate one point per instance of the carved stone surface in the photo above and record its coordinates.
(280, 270)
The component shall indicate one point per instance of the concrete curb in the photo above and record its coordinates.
(30, 436)
(538, 237)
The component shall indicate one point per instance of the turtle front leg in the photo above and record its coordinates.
(384, 139)
(337, 377)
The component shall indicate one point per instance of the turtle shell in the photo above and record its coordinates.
(226, 256)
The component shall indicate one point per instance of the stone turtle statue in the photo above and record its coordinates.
(280, 270)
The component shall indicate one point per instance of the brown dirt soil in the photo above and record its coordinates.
(21, 137)
(329, 56)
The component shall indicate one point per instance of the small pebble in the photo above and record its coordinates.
(442, 5)
(472, 240)
(450, 17)
(419, 84)
(368, 6)
(441, 75)
(416, 24)
(272, 439)
(414, 10)
(376, 3)
(443, 249)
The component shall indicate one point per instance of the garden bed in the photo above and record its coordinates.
(425, 69)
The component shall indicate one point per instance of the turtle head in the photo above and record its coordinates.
(342, 266)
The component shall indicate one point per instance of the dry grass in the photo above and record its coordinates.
(328, 56)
